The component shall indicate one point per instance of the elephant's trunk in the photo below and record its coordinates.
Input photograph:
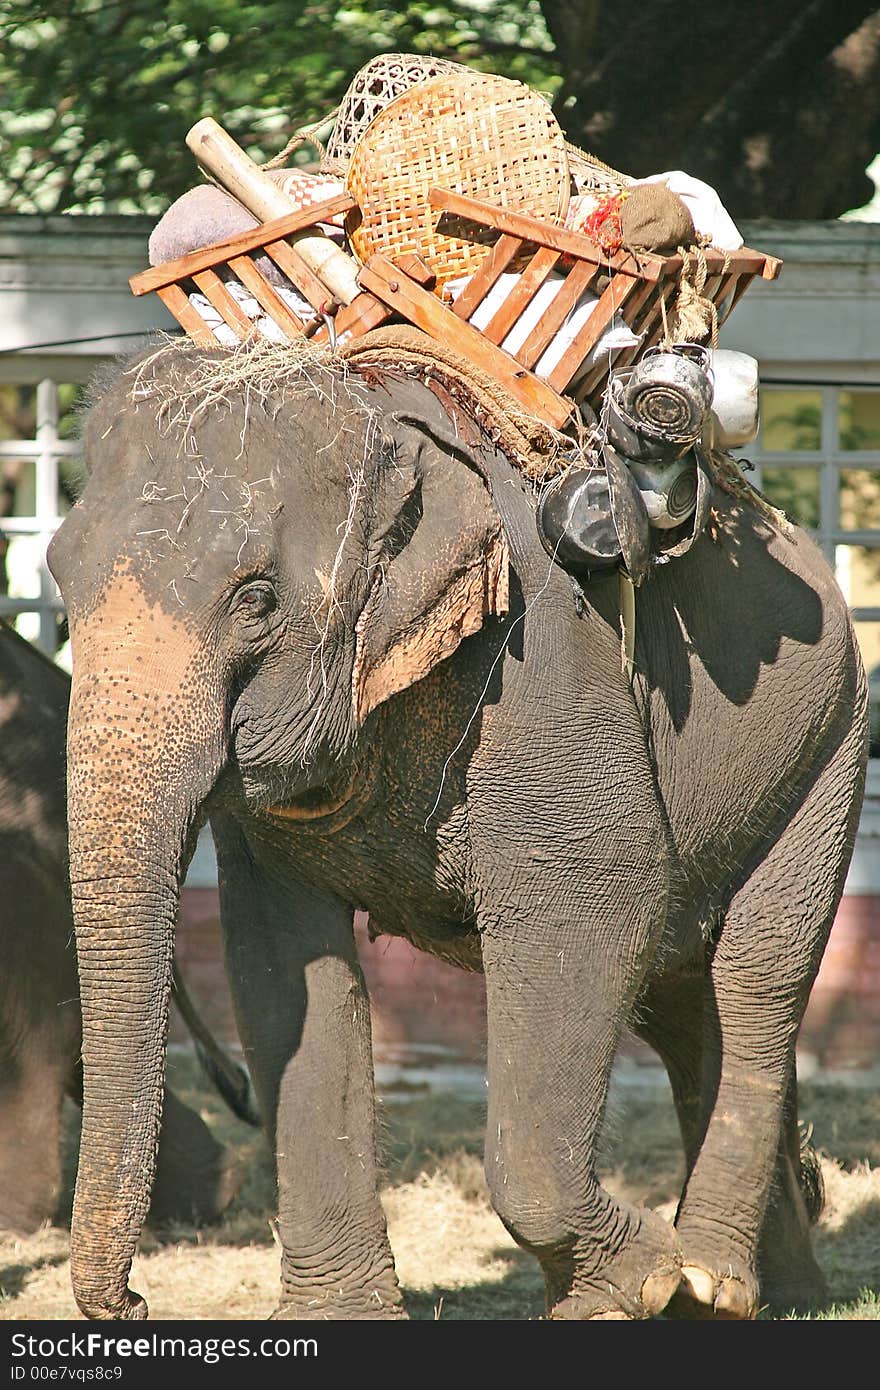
(143, 752)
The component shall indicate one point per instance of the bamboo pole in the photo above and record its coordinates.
(235, 171)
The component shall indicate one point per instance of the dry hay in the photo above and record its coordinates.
(185, 381)
(454, 1257)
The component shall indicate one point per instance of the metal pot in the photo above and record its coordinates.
(575, 521)
(636, 439)
(669, 493)
(670, 390)
(733, 419)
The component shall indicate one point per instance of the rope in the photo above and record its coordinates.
(306, 135)
(537, 450)
(694, 317)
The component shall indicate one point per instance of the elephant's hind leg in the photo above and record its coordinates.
(670, 1019)
(760, 975)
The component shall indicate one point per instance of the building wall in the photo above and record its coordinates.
(65, 309)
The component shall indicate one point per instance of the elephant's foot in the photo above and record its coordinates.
(711, 1289)
(340, 1297)
(339, 1308)
(637, 1283)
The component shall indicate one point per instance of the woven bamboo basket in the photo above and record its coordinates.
(470, 133)
(590, 175)
(374, 87)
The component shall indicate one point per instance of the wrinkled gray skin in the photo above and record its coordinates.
(282, 619)
(40, 1024)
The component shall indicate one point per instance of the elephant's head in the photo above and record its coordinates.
(252, 569)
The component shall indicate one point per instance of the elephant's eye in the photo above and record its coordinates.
(255, 600)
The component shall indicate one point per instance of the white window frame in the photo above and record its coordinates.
(46, 450)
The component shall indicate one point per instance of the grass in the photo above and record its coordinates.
(454, 1258)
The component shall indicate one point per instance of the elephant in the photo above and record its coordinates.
(40, 1022)
(308, 603)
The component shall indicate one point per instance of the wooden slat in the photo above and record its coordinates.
(493, 267)
(177, 303)
(647, 266)
(521, 294)
(301, 275)
(427, 312)
(745, 261)
(215, 291)
(614, 298)
(667, 295)
(576, 282)
(417, 269)
(209, 256)
(268, 298)
(642, 313)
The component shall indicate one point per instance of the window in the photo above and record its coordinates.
(40, 473)
(818, 458)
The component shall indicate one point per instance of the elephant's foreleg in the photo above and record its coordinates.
(670, 1019)
(196, 1177)
(789, 1276)
(32, 1088)
(304, 1020)
(556, 1000)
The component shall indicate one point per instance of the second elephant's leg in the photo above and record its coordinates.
(556, 1001)
(304, 1019)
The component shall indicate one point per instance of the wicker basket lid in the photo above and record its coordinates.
(467, 132)
(373, 87)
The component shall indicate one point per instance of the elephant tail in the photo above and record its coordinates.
(810, 1180)
(229, 1077)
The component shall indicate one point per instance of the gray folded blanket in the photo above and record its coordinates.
(204, 215)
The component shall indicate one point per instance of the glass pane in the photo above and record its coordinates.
(791, 420)
(71, 404)
(868, 635)
(859, 498)
(859, 420)
(858, 574)
(795, 491)
(18, 411)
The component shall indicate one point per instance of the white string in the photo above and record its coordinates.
(531, 603)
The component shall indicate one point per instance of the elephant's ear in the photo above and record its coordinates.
(442, 569)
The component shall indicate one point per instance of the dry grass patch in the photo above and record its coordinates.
(455, 1259)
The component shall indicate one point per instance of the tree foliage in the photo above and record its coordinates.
(102, 92)
(777, 105)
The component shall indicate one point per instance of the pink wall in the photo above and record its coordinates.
(417, 999)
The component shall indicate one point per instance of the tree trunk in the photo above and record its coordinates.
(777, 106)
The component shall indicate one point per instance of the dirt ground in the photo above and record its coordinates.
(454, 1258)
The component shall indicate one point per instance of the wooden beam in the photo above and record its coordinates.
(576, 282)
(518, 224)
(481, 282)
(614, 298)
(521, 294)
(281, 313)
(383, 279)
(177, 303)
(215, 291)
